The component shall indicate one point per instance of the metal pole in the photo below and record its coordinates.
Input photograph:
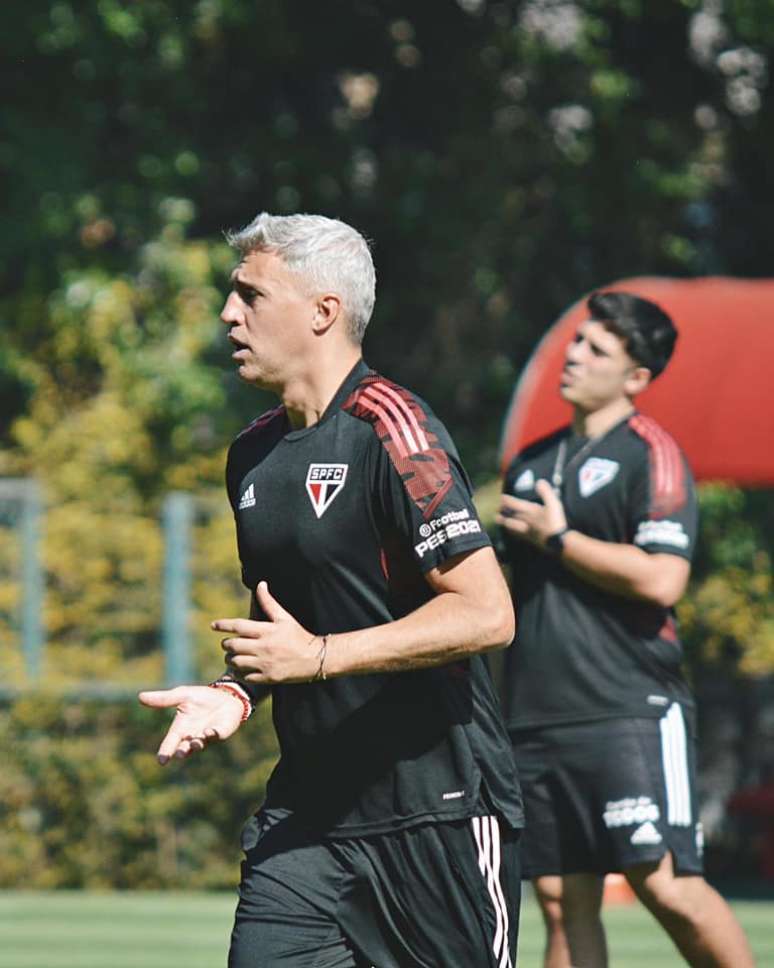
(32, 580)
(178, 518)
(25, 494)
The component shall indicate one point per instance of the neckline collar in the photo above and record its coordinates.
(573, 436)
(351, 380)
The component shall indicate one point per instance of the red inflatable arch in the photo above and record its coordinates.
(716, 397)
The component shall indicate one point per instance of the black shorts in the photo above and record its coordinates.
(439, 895)
(604, 796)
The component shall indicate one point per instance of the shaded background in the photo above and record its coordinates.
(505, 158)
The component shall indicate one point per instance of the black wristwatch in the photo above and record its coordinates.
(554, 543)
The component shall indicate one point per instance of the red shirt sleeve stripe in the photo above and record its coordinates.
(405, 407)
(412, 441)
(667, 476)
(408, 439)
(392, 431)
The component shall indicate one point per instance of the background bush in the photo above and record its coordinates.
(83, 802)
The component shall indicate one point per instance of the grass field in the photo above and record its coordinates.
(149, 930)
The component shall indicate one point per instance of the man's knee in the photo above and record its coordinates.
(667, 895)
(548, 891)
(569, 898)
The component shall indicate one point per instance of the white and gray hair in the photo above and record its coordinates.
(329, 256)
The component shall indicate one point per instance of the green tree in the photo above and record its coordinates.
(505, 156)
(127, 404)
(727, 620)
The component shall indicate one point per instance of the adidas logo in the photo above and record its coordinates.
(525, 481)
(646, 834)
(248, 498)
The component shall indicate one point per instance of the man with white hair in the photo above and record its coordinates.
(389, 832)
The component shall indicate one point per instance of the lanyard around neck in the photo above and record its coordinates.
(557, 475)
(561, 464)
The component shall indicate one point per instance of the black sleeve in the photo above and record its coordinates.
(663, 513)
(427, 498)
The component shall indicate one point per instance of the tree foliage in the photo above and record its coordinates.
(727, 620)
(504, 156)
(127, 404)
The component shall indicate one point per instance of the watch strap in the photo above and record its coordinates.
(554, 543)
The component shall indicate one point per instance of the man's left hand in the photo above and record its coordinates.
(277, 650)
(529, 520)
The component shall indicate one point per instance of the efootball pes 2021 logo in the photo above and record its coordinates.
(323, 483)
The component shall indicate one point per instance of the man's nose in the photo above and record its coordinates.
(573, 352)
(229, 312)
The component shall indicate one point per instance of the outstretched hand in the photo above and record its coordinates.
(203, 714)
(276, 650)
(530, 520)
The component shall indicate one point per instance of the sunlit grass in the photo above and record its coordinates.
(169, 930)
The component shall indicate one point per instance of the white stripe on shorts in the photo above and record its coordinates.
(674, 754)
(486, 830)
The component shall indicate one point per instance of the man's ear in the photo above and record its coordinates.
(638, 379)
(327, 311)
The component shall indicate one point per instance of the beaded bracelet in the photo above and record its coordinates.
(236, 690)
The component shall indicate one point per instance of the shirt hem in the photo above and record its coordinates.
(377, 829)
(514, 819)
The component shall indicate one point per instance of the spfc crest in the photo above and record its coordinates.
(595, 473)
(323, 483)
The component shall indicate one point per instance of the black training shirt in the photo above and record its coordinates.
(342, 519)
(582, 653)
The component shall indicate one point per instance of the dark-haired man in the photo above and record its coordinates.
(599, 522)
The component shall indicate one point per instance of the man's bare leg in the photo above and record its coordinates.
(570, 905)
(698, 920)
